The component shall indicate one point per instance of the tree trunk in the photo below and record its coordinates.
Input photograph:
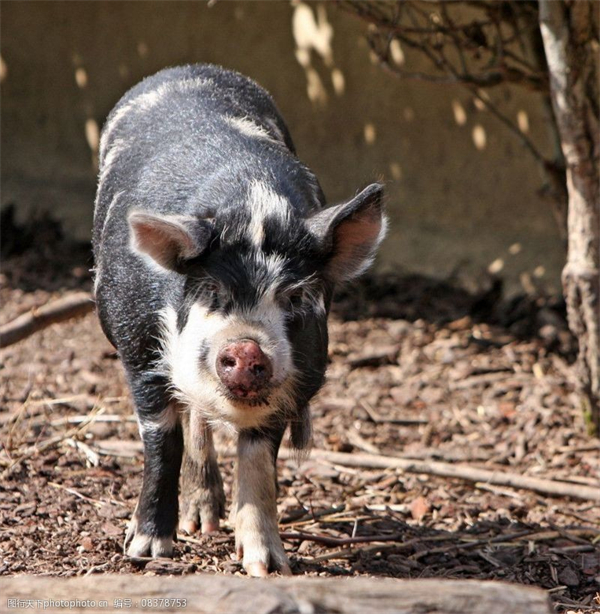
(570, 34)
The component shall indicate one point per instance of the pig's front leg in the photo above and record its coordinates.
(256, 531)
(202, 496)
(154, 522)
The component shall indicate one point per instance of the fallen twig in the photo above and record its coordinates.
(80, 419)
(346, 553)
(530, 536)
(378, 419)
(590, 447)
(122, 448)
(77, 494)
(485, 379)
(463, 472)
(49, 443)
(309, 516)
(328, 540)
(498, 491)
(384, 356)
(41, 317)
(181, 537)
(357, 440)
(92, 456)
(387, 507)
(573, 549)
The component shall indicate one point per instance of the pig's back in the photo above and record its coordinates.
(185, 99)
(187, 138)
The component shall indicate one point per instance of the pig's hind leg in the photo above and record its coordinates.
(256, 529)
(202, 495)
(154, 522)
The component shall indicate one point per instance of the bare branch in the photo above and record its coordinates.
(417, 29)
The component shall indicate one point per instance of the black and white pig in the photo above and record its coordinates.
(216, 260)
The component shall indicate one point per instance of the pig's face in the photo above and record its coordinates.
(227, 347)
(251, 276)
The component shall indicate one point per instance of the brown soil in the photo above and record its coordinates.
(418, 369)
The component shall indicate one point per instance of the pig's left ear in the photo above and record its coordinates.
(351, 233)
(169, 240)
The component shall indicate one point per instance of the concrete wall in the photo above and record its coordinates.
(462, 190)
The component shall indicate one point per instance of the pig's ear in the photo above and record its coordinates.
(169, 239)
(351, 232)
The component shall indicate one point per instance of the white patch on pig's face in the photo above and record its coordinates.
(194, 378)
(263, 202)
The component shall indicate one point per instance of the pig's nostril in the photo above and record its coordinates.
(244, 368)
(228, 362)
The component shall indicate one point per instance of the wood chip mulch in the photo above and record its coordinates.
(419, 369)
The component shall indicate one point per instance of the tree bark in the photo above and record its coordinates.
(570, 34)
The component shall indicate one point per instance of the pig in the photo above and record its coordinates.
(215, 263)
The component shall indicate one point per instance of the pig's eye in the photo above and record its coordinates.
(211, 294)
(296, 299)
(293, 301)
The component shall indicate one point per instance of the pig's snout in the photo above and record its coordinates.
(244, 369)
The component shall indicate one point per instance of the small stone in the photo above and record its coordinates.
(568, 577)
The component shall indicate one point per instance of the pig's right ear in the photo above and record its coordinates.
(169, 239)
(350, 233)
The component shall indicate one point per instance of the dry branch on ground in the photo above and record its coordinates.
(64, 308)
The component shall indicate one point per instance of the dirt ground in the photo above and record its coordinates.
(418, 370)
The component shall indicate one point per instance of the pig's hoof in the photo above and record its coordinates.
(190, 526)
(261, 554)
(201, 509)
(138, 544)
(256, 570)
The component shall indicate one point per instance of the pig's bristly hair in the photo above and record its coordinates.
(242, 273)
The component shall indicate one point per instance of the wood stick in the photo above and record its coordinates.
(465, 542)
(309, 516)
(203, 593)
(463, 472)
(375, 417)
(62, 309)
(117, 418)
(328, 540)
(532, 536)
